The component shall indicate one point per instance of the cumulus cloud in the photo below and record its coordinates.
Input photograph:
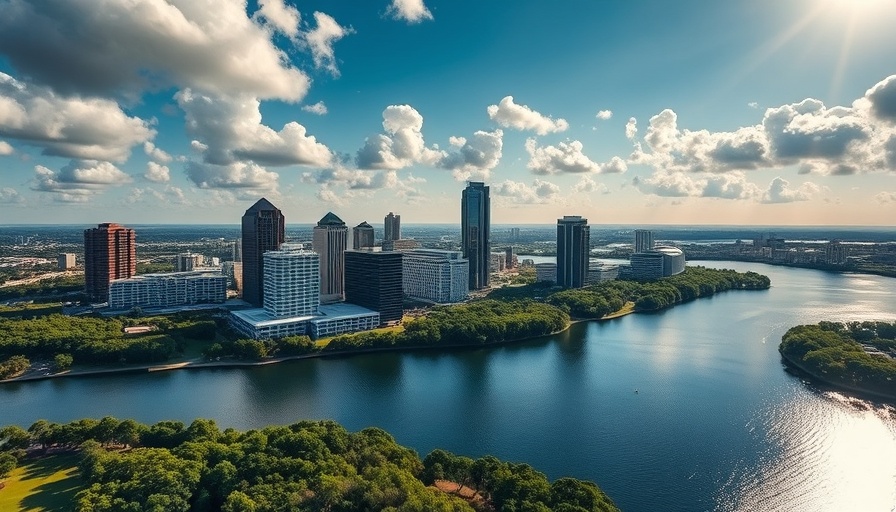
(511, 115)
(237, 176)
(318, 108)
(169, 195)
(475, 157)
(10, 196)
(79, 180)
(5, 148)
(677, 184)
(882, 98)
(130, 46)
(156, 153)
(604, 114)
(84, 128)
(885, 197)
(284, 18)
(780, 191)
(321, 40)
(539, 192)
(401, 146)
(567, 157)
(157, 173)
(411, 11)
(631, 128)
(229, 130)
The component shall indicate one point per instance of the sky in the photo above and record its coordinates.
(622, 111)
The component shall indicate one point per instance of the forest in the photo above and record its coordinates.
(855, 355)
(306, 466)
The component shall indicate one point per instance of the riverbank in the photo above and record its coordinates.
(203, 364)
(891, 397)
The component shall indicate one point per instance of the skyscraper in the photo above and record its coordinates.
(475, 220)
(643, 240)
(264, 229)
(109, 254)
(362, 236)
(373, 280)
(291, 282)
(330, 240)
(573, 249)
(392, 228)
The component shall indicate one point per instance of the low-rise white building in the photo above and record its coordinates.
(435, 275)
(164, 290)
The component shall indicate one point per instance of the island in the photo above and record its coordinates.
(36, 345)
(855, 356)
(105, 465)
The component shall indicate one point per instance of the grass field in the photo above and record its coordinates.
(48, 484)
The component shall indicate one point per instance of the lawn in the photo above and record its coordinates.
(47, 484)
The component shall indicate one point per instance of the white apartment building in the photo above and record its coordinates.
(435, 275)
(165, 290)
(291, 281)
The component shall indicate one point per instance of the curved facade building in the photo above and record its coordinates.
(662, 261)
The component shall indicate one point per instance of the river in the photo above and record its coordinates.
(684, 410)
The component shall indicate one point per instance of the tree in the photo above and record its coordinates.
(62, 362)
(7, 464)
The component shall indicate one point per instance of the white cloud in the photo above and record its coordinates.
(586, 185)
(5, 148)
(412, 11)
(678, 184)
(475, 157)
(157, 173)
(85, 128)
(567, 157)
(318, 108)
(229, 130)
(79, 180)
(885, 197)
(238, 176)
(401, 146)
(779, 191)
(156, 153)
(510, 115)
(169, 195)
(10, 196)
(631, 128)
(753, 104)
(284, 18)
(130, 46)
(539, 192)
(321, 39)
(604, 114)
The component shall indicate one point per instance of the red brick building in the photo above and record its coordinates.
(109, 254)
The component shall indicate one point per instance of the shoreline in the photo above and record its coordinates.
(200, 364)
(846, 387)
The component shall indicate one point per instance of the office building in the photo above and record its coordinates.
(291, 281)
(109, 254)
(392, 227)
(435, 275)
(643, 240)
(545, 272)
(362, 236)
(167, 290)
(187, 262)
(406, 244)
(263, 229)
(475, 222)
(600, 273)
(66, 260)
(330, 240)
(573, 251)
(661, 261)
(509, 257)
(373, 280)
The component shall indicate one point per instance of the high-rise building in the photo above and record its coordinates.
(330, 240)
(392, 228)
(643, 240)
(435, 275)
(475, 222)
(573, 250)
(291, 281)
(373, 280)
(187, 262)
(508, 257)
(109, 253)
(264, 229)
(66, 260)
(362, 236)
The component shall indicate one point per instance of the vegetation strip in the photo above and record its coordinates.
(857, 356)
(307, 466)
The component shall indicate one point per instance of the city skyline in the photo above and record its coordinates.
(777, 114)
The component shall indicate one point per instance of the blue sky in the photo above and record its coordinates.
(641, 111)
